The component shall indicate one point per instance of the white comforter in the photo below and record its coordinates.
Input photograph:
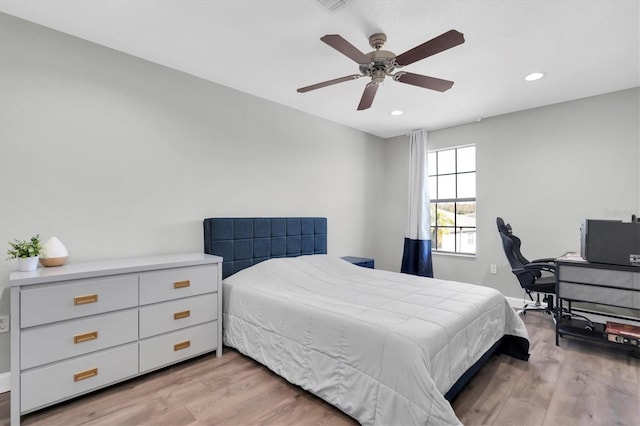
(381, 346)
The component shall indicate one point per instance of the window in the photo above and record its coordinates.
(452, 189)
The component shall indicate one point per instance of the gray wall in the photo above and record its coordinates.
(543, 170)
(120, 157)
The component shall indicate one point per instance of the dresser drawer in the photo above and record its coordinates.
(168, 348)
(604, 295)
(43, 386)
(75, 299)
(170, 284)
(176, 314)
(604, 277)
(49, 343)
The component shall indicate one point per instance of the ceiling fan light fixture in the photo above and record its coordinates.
(379, 64)
(535, 76)
(396, 112)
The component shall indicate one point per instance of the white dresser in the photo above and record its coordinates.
(83, 326)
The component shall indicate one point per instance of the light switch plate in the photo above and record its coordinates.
(4, 323)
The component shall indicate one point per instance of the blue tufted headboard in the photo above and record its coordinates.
(243, 242)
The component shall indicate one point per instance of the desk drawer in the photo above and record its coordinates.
(50, 343)
(605, 295)
(176, 314)
(168, 348)
(170, 284)
(78, 298)
(46, 385)
(604, 277)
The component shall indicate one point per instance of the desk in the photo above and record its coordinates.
(581, 281)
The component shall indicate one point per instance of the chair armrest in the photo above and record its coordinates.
(537, 266)
(544, 260)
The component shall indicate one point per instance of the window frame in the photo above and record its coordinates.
(457, 230)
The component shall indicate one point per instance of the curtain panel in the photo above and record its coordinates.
(416, 258)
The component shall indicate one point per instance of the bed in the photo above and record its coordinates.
(384, 347)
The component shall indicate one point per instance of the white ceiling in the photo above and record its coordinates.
(270, 48)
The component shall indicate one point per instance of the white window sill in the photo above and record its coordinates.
(446, 253)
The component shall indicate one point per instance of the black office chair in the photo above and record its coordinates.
(529, 273)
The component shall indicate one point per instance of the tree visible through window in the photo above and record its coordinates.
(452, 190)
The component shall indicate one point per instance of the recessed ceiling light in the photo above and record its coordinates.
(396, 112)
(534, 76)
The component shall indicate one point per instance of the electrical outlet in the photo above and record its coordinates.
(493, 268)
(4, 323)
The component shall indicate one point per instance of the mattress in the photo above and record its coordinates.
(383, 347)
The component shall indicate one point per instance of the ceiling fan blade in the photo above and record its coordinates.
(343, 46)
(438, 44)
(367, 96)
(423, 81)
(329, 83)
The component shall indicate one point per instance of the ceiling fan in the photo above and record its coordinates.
(381, 63)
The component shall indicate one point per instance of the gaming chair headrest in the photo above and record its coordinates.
(502, 227)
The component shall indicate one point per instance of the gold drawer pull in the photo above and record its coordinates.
(85, 374)
(85, 337)
(181, 284)
(183, 314)
(182, 345)
(83, 300)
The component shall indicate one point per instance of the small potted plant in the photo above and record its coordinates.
(27, 252)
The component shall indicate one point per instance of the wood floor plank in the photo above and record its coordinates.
(301, 409)
(488, 392)
(515, 411)
(586, 394)
(539, 380)
(576, 383)
(230, 404)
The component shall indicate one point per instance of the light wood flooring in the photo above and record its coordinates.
(575, 384)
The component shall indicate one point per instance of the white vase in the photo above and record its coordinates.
(27, 264)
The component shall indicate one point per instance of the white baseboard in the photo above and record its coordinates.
(5, 382)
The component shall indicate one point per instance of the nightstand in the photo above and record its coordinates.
(365, 262)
